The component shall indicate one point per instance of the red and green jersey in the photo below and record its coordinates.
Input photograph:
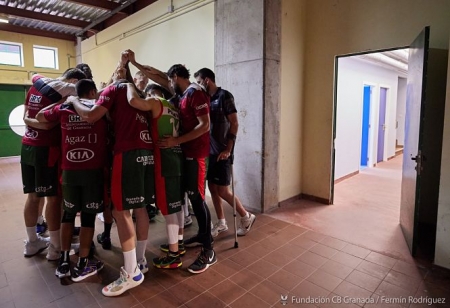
(167, 124)
(84, 145)
(130, 125)
(44, 92)
(194, 103)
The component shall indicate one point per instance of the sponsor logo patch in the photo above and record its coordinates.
(79, 155)
(145, 136)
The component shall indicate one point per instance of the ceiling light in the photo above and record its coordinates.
(4, 18)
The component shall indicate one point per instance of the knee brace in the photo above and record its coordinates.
(88, 220)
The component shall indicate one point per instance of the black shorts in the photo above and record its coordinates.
(84, 190)
(40, 170)
(219, 172)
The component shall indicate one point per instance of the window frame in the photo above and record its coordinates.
(20, 45)
(55, 60)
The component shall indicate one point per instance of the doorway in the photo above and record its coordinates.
(367, 166)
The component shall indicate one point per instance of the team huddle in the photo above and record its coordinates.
(122, 148)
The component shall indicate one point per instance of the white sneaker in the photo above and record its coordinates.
(218, 228)
(100, 217)
(143, 265)
(35, 247)
(53, 253)
(246, 224)
(123, 283)
(187, 220)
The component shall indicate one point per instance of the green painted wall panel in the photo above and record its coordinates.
(11, 96)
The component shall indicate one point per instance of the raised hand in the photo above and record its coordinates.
(123, 58)
(131, 55)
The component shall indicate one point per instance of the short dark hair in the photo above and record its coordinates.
(86, 70)
(154, 86)
(179, 70)
(74, 73)
(84, 86)
(205, 73)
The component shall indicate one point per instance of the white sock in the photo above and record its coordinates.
(129, 258)
(172, 228)
(180, 216)
(222, 221)
(180, 237)
(40, 220)
(55, 239)
(31, 232)
(186, 206)
(140, 249)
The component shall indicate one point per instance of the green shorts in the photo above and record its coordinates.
(169, 194)
(133, 180)
(83, 191)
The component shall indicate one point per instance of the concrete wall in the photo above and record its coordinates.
(21, 75)
(158, 38)
(292, 84)
(344, 27)
(247, 55)
(353, 74)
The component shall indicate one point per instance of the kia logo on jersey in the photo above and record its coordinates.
(32, 134)
(79, 155)
(145, 136)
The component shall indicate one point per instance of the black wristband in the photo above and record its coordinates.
(231, 136)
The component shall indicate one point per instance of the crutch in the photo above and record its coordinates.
(236, 245)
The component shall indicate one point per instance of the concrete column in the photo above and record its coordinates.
(247, 63)
(78, 57)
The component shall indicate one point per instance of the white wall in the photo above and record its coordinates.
(345, 27)
(401, 110)
(353, 74)
(158, 38)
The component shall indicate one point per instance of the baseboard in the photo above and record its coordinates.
(346, 177)
(303, 196)
(315, 199)
(289, 200)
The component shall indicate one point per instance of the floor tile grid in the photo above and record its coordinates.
(357, 252)
(247, 267)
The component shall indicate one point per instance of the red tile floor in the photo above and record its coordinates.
(304, 252)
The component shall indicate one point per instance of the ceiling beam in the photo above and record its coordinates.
(106, 5)
(43, 17)
(37, 32)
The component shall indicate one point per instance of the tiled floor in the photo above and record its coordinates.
(276, 259)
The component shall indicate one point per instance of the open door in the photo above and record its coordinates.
(425, 102)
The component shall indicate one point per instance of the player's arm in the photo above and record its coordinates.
(201, 128)
(122, 64)
(90, 115)
(231, 135)
(41, 114)
(147, 104)
(34, 123)
(152, 73)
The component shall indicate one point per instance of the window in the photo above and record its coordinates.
(45, 57)
(11, 53)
